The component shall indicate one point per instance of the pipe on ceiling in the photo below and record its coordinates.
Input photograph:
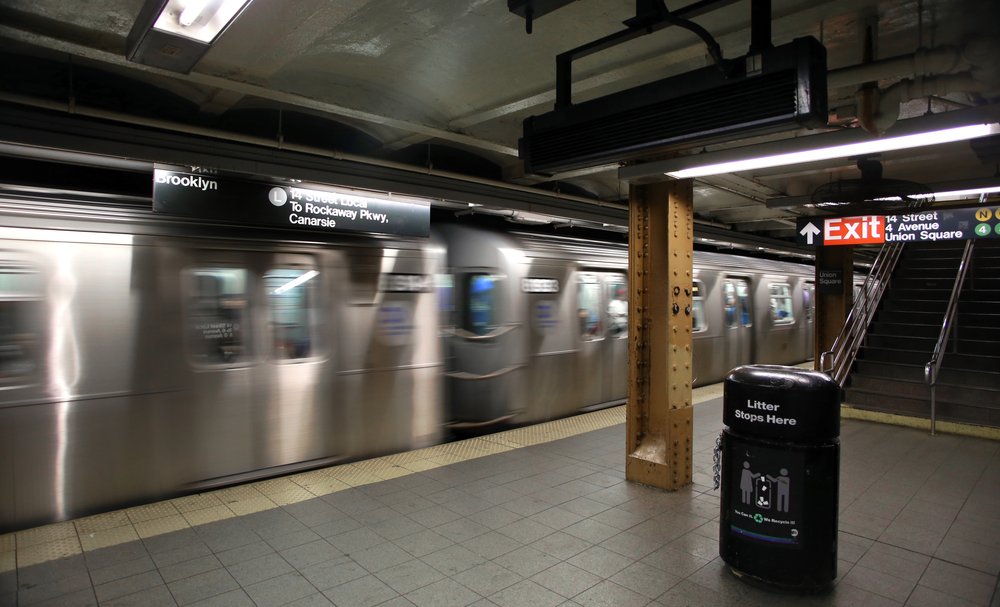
(926, 72)
(923, 62)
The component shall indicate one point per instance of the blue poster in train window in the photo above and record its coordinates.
(768, 494)
(545, 315)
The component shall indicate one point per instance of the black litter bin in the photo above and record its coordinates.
(779, 476)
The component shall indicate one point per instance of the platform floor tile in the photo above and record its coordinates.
(534, 516)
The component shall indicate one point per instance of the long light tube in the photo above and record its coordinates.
(875, 146)
(952, 194)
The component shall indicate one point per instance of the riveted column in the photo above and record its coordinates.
(659, 414)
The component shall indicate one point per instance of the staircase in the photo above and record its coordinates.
(889, 372)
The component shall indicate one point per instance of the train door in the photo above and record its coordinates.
(616, 308)
(295, 413)
(738, 314)
(602, 317)
(591, 321)
(483, 349)
(219, 347)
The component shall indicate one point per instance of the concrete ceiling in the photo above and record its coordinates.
(447, 83)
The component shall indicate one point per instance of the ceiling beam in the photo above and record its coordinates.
(245, 88)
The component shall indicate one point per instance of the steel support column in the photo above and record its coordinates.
(659, 421)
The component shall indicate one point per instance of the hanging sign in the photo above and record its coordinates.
(917, 226)
(284, 203)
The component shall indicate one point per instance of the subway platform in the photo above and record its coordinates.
(538, 516)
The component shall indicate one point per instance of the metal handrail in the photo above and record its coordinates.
(933, 366)
(845, 348)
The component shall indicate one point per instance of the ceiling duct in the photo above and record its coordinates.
(770, 90)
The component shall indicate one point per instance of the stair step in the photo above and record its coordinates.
(986, 397)
(951, 360)
(910, 317)
(920, 281)
(931, 294)
(901, 342)
(981, 294)
(978, 307)
(906, 357)
(967, 413)
(906, 329)
(968, 319)
(934, 266)
(919, 305)
(940, 271)
(889, 370)
(975, 347)
(955, 377)
(919, 256)
(990, 335)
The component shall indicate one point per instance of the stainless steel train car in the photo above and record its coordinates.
(538, 325)
(138, 361)
(143, 357)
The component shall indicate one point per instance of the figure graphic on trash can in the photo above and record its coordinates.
(747, 483)
(782, 483)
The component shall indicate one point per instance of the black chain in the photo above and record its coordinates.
(717, 462)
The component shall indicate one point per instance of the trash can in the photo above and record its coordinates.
(780, 469)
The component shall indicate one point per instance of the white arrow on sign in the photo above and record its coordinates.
(809, 231)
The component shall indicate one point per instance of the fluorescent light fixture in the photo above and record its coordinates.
(299, 280)
(201, 20)
(175, 34)
(952, 194)
(961, 194)
(842, 143)
(874, 146)
(943, 191)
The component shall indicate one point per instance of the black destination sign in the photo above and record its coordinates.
(924, 225)
(286, 204)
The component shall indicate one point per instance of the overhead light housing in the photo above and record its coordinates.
(918, 132)
(769, 91)
(175, 34)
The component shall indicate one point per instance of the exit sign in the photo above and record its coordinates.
(914, 226)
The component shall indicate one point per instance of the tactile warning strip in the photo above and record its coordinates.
(50, 542)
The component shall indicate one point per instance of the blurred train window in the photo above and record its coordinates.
(20, 316)
(697, 307)
(736, 303)
(291, 302)
(217, 311)
(729, 302)
(781, 304)
(745, 305)
(617, 307)
(479, 312)
(445, 285)
(588, 307)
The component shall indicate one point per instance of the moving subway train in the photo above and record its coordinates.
(142, 356)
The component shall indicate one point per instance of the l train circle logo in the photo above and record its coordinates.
(277, 196)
